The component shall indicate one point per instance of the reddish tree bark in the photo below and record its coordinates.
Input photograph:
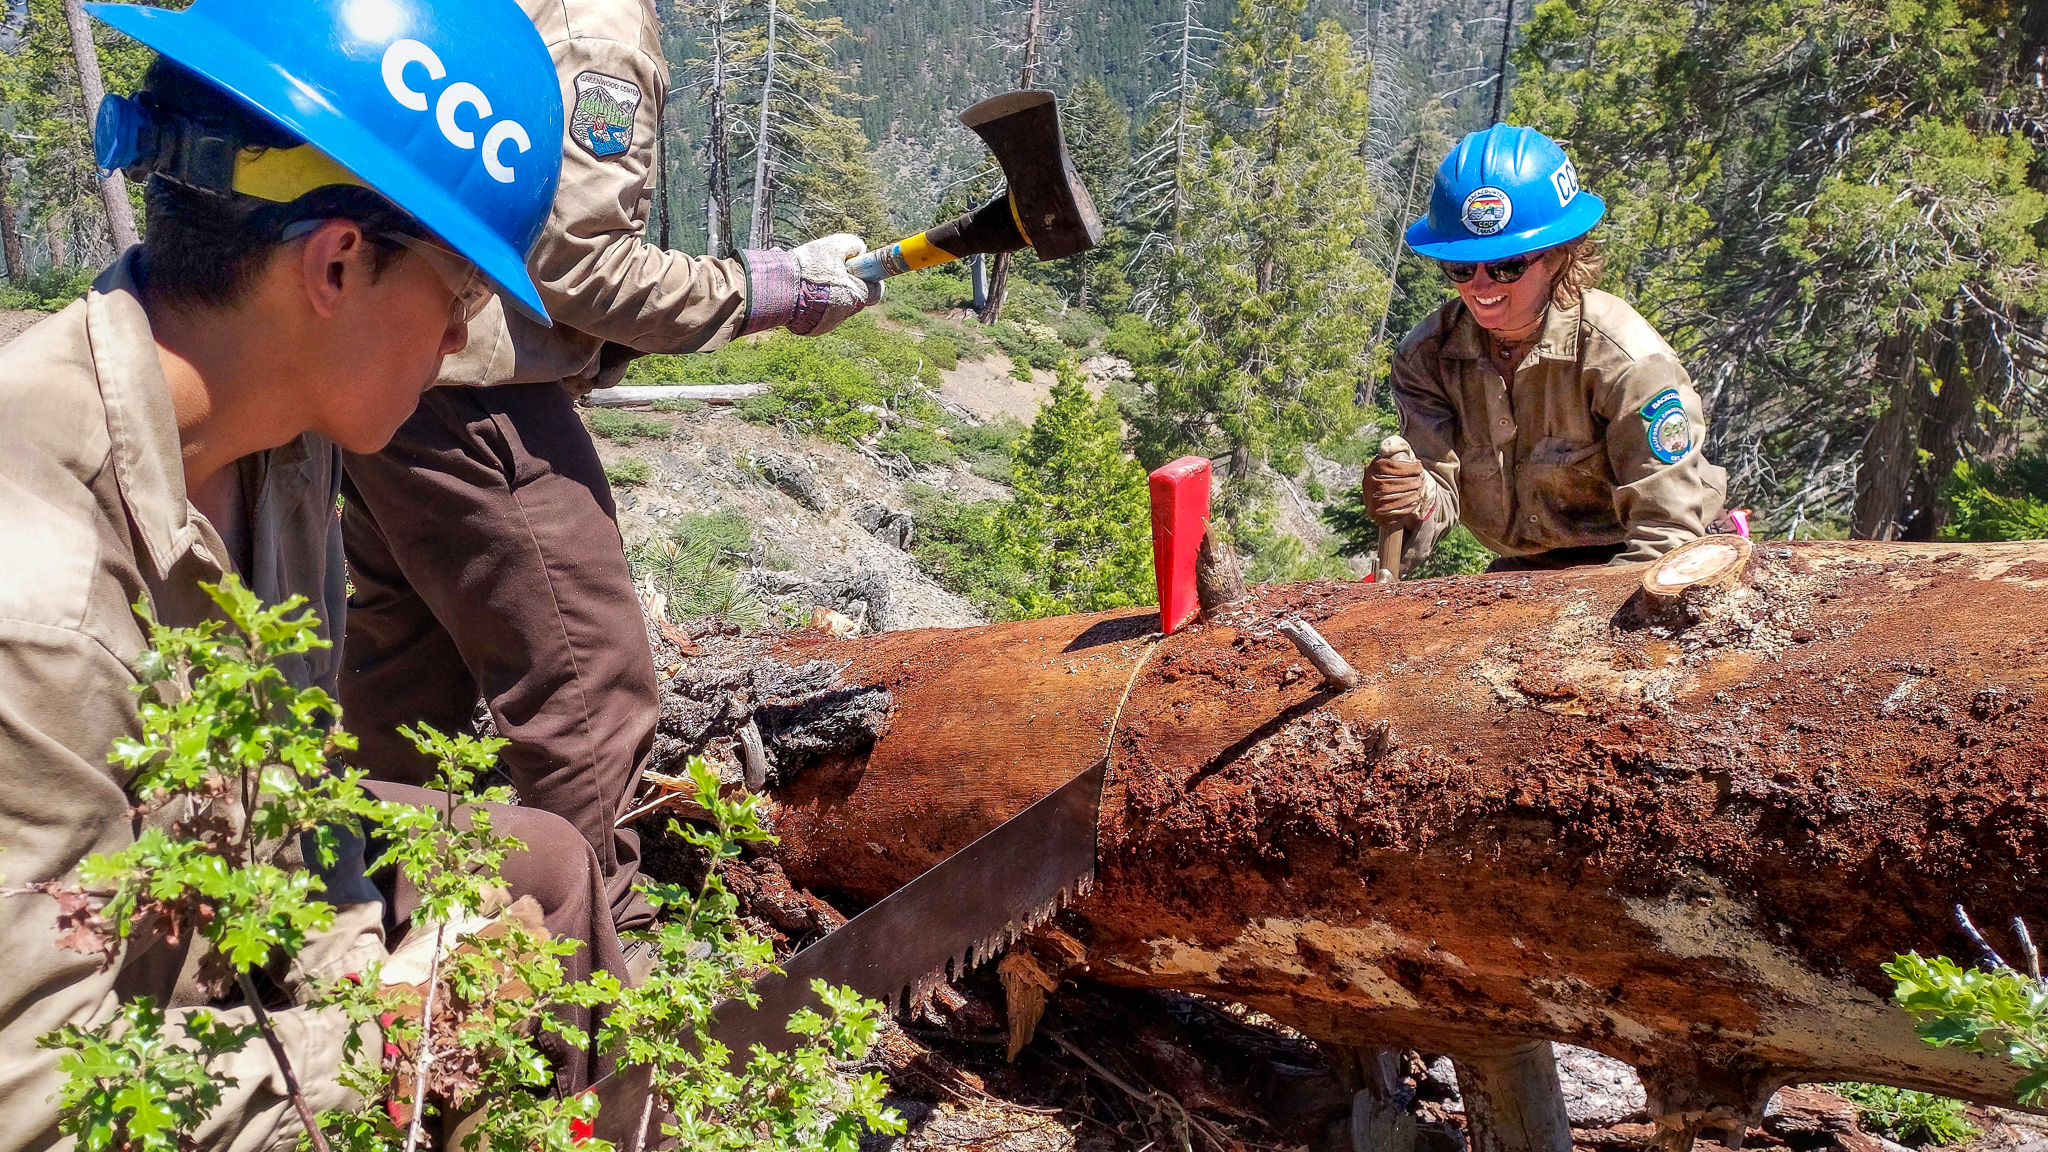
(1688, 840)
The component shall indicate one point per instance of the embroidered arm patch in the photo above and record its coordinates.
(603, 119)
(1669, 429)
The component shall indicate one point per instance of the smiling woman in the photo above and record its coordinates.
(1545, 415)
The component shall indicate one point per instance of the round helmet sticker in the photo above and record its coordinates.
(1487, 211)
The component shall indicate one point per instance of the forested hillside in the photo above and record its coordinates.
(1832, 208)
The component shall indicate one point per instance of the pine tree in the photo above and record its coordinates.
(1080, 521)
(40, 86)
(1171, 149)
(788, 83)
(835, 187)
(710, 76)
(1099, 137)
(1042, 31)
(1839, 224)
(1267, 340)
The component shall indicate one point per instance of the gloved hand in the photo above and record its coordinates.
(1393, 491)
(829, 293)
(473, 956)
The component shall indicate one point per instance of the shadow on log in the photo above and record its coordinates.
(1551, 811)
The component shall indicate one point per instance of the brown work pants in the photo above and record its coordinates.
(560, 871)
(485, 554)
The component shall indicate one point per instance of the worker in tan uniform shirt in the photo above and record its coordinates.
(1545, 415)
(179, 423)
(483, 541)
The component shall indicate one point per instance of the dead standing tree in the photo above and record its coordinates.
(1170, 157)
(113, 186)
(1682, 829)
(791, 53)
(712, 78)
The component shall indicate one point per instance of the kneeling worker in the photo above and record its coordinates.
(1546, 415)
(316, 241)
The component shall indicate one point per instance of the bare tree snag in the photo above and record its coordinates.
(113, 186)
(1687, 844)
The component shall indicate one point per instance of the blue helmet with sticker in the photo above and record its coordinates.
(1504, 192)
(448, 108)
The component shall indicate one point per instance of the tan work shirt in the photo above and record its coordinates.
(1598, 440)
(610, 292)
(93, 517)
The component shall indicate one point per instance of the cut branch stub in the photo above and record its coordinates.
(1337, 673)
(1708, 563)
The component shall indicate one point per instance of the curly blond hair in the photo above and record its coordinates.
(1579, 270)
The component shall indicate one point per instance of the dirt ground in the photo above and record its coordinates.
(13, 324)
(712, 461)
(986, 388)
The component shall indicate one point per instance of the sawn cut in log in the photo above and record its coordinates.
(1682, 829)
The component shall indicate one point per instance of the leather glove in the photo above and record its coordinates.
(828, 293)
(1393, 491)
(406, 972)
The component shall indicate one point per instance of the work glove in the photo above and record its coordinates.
(828, 293)
(474, 975)
(1394, 491)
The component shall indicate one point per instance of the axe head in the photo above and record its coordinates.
(1047, 201)
(1043, 206)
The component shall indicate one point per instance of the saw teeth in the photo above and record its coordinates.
(981, 951)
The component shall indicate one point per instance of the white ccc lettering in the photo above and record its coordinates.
(455, 96)
(403, 53)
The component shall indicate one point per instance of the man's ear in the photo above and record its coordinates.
(336, 258)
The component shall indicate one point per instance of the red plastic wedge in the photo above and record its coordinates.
(1180, 515)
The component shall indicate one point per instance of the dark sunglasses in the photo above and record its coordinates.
(1502, 271)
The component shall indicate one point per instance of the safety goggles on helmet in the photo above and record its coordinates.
(1499, 271)
(463, 279)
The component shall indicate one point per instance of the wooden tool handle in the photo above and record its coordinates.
(1393, 539)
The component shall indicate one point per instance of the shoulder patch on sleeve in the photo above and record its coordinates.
(605, 109)
(1668, 427)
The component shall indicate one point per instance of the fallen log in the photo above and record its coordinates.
(646, 395)
(1683, 829)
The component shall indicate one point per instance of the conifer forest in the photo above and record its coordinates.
(1833, 209)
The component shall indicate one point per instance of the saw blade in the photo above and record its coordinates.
(956, 915)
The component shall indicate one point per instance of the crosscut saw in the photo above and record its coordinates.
(969, 907)
(957, 914)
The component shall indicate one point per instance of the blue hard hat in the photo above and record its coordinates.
(1504, 192)
(450, 109)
